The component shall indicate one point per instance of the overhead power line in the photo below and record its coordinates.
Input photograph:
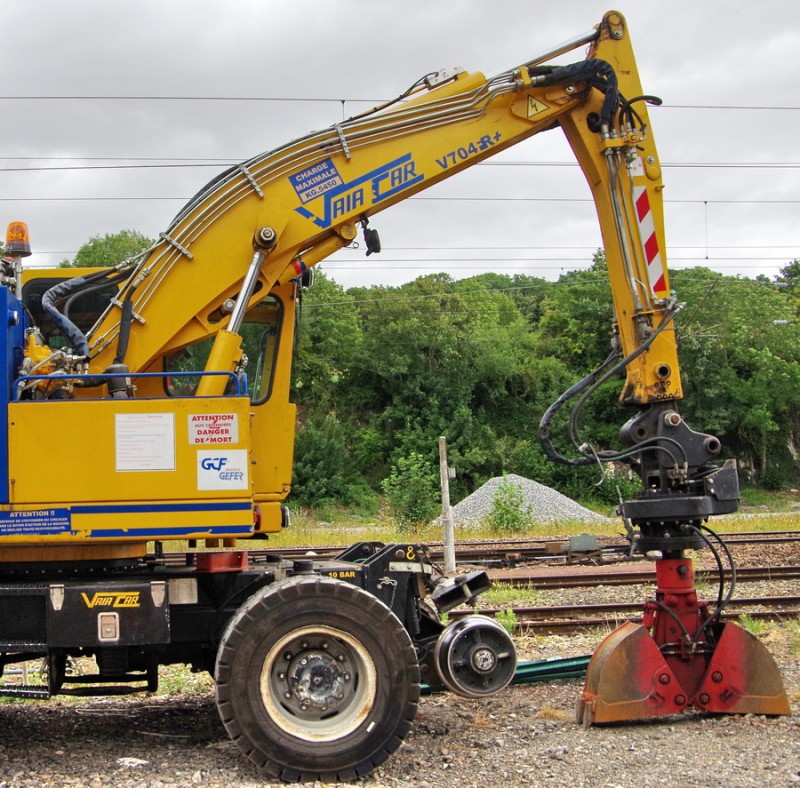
(194, 163)
(590, 248)
(743, 107)
(735, 165)
(418, 199)
(194, 98)
(216, 159)
(329, 100)
(534, 266)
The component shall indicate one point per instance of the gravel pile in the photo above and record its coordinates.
(544, 503)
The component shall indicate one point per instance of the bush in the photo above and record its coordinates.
(614, 485)
(322, 474)
(411, 491)
(509, 514)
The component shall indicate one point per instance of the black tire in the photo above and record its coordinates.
(316, 679)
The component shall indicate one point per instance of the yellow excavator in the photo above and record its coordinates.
(149, 402)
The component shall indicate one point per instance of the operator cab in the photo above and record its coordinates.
(84, 308)
(260, 333)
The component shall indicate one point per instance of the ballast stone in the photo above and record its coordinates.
(543, 502)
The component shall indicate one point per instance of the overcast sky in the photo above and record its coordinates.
(74, 167)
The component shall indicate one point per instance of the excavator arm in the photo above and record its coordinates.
(263, 223)
(315, 192)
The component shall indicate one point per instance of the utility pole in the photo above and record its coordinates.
(447, 514)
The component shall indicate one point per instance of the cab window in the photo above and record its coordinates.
(260, 336)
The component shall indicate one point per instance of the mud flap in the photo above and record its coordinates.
(742, 677)
(628, 679)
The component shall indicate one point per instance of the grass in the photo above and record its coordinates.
(345, 530)
(765, 499)
(504, 595)
(508, 620)
(792, 628)
(179, 680)
(340, 527)
(552, 713)
(755, 626)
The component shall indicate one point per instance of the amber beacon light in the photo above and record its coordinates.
(18, 242)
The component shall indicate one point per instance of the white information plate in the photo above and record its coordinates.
(145, 441)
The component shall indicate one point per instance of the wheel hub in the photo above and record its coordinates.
(318, 683)
(317, 680)
(475, 657)
(483, 659)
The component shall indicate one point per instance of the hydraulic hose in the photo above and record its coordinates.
(586, 386)
(124, 330)
(595, 72)
(544, 425)
(76, 338)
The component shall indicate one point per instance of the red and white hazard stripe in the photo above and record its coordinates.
(647, 233)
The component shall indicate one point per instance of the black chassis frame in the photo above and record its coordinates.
(174, 609)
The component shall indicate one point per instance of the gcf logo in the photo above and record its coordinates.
(218, 470)
(213, 463)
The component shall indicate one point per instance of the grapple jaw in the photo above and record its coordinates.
(741, 678)
(629, 678)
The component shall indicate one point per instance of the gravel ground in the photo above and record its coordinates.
(524, 736)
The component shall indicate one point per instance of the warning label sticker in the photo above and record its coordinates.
(536, 107)
(213, 428)
(39, 521)
(145, 441)
(315, 180)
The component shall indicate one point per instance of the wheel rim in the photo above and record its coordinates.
(318, 683)
(475, 657)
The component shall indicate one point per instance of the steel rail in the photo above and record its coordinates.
(580, 617)
(789, 605)
(511, 552)
(520, 579)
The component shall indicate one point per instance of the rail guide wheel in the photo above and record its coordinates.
(475, 657)
(316, 680)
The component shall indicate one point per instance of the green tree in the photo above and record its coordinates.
(789, 279)
(577, 317)
(109, 249)
(329, 339)
(527, 292)
(475, 361)
(741, 372)
(441, 357)
(576, 330)
(323, 472)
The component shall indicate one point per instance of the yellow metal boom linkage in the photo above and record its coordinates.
(314, 192)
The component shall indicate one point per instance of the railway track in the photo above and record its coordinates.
(568, 618)
(619, 577)
(516, 552)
